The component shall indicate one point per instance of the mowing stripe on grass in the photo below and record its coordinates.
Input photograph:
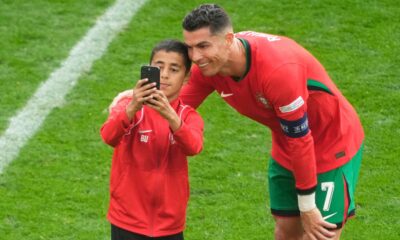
(51, 93)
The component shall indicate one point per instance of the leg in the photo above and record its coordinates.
(334, 197)
(283, 201)
(288, 228)
(338, 232)
(284, 206)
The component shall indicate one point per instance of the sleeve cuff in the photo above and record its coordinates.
(126, 123)
(178, 129)
(306, 191)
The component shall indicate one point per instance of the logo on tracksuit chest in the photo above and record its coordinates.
(144, 137)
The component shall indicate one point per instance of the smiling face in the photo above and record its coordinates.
(208, 51)
(172, 72)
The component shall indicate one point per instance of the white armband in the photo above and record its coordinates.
(306, 202)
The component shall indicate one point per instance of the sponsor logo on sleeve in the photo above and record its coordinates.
(293, 106)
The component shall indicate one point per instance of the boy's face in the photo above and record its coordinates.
(172, 72)
(208, 51)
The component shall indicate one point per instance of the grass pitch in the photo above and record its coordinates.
(58, 186)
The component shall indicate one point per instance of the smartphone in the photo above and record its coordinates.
(152, 73)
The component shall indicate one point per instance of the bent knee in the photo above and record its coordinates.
(288, 228)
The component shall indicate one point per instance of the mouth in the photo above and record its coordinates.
(202, 65)
(164, 85)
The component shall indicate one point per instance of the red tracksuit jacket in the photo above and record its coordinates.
(149, 175)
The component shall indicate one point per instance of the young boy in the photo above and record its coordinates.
(152, 133)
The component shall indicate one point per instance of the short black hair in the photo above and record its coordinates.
(207, 15)
(172, 45)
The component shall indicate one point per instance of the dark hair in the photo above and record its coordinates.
(171, 45)
(207, 15)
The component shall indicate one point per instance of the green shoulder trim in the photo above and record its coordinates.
(318, 86)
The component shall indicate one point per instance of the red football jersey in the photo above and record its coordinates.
(314, 128)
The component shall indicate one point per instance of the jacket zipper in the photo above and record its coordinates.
(158, 171)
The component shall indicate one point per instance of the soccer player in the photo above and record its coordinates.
(152, 132)
(317, 137)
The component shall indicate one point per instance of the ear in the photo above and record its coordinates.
(229, 37)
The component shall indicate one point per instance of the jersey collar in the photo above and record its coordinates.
(247, 48)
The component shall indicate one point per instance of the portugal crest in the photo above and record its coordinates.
(260, 98)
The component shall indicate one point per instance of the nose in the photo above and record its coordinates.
(164, 73)
(195, 55)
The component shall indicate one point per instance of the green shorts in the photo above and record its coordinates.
(334, 194)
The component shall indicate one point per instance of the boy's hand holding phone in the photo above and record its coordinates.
(144, 89)
(160, 103)
(141, 93)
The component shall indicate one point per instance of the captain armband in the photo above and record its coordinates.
(297, 128)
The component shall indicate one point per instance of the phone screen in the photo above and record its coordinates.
(152, 73)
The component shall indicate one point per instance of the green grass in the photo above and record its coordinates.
(35, 37)
(58, 186)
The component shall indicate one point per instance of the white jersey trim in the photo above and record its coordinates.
(182, 107)
(134, 125)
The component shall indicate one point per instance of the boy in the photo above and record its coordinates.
(152, 133)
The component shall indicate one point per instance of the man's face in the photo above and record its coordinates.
(209, 52)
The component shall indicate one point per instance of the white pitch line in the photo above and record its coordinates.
(51, 93)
